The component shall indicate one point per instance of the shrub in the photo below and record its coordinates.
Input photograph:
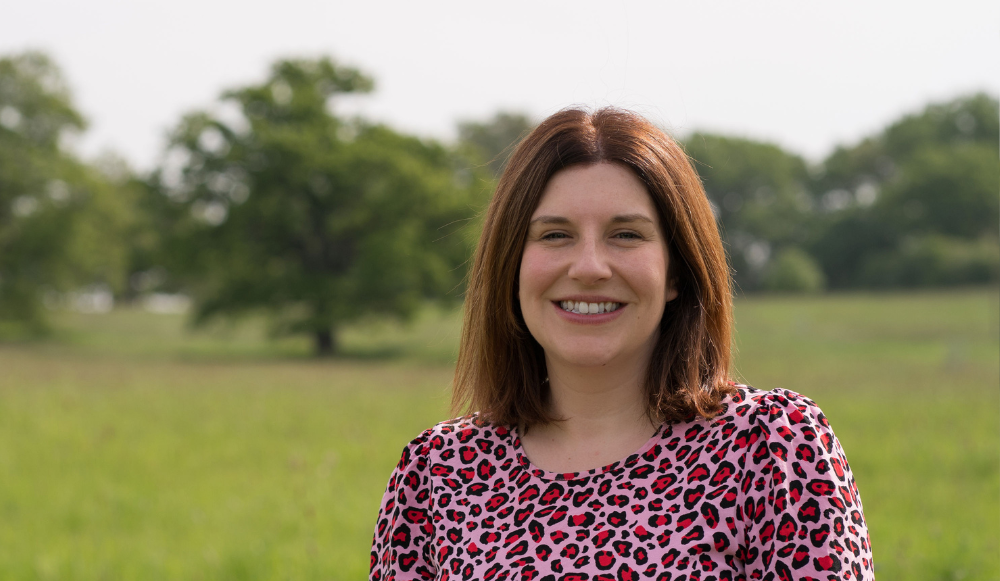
(793, 271)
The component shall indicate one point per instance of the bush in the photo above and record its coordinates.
(794, 271)
(935, 260)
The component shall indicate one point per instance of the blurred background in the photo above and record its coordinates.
(233, 240)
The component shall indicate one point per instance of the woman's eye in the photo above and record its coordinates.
(628, 235)
(553, 235)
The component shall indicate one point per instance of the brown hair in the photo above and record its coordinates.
(501, 368)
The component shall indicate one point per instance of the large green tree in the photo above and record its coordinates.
(281, 206)
(61, 221)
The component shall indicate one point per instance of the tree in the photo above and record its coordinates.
(761, 197)
(915, 204)
(60, 220)
(286, 208)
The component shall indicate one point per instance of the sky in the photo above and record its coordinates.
(806, 75)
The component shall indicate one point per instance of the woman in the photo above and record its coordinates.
(607, 440)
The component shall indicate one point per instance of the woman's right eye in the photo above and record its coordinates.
(553, 236)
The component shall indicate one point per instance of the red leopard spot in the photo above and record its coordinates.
(406, 561)
(527, 494)
(800, 557)
(698, 474)
(821, 487)
(828, 563)
(476, 488)
(686, 520)
(668, 559)
(467, 454)
(695, 534)
(625, 573)
(496, 501)
(602, 538)
(618, 500)
(604, 560)
(523, 514)
(623, 548)
(543, 552)
(662, 483)
(558, 515)
(486, 470)
(518, 549)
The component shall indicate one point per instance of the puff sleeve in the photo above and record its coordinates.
(802, 513)
(402, 548)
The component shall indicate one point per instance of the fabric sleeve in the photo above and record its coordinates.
(802, 512)
(402, 548)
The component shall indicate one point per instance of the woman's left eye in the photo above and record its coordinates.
(628, 235)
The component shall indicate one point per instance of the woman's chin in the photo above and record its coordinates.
(583, 357)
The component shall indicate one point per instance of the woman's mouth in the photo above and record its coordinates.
(584, 308)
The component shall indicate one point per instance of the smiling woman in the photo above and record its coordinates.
(606, 439)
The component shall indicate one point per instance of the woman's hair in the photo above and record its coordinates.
(501, 368)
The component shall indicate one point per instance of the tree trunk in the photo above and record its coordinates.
(326, 343)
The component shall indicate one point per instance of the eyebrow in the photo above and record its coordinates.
(621, 219)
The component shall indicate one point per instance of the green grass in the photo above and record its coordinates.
(133, 449)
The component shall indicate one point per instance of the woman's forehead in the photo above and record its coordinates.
(604, 188)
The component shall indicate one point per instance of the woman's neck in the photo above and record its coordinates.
(595, 395)
(602, 419)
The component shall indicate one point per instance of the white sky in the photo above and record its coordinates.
(805, 74)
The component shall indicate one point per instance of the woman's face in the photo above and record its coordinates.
(595, 244)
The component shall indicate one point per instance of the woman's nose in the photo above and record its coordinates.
(590, 263)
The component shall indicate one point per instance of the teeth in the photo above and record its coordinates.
(583, 308)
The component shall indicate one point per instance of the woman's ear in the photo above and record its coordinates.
(671, 289)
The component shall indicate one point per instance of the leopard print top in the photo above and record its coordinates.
(762, 491)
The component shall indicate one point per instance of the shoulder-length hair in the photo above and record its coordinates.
(501, 368)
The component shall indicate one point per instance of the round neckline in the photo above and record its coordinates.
(526, 464)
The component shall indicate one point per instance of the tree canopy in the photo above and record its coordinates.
(916, 204)
(288, 209)
(60, 219)
(761, 197)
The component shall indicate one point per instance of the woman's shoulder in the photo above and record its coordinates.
(470, 432)
(779, 420)
(778, 407)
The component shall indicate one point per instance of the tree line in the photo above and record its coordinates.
(271, 201)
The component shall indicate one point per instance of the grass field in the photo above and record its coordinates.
(132, 449)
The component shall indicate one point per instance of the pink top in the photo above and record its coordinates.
(761, 491)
